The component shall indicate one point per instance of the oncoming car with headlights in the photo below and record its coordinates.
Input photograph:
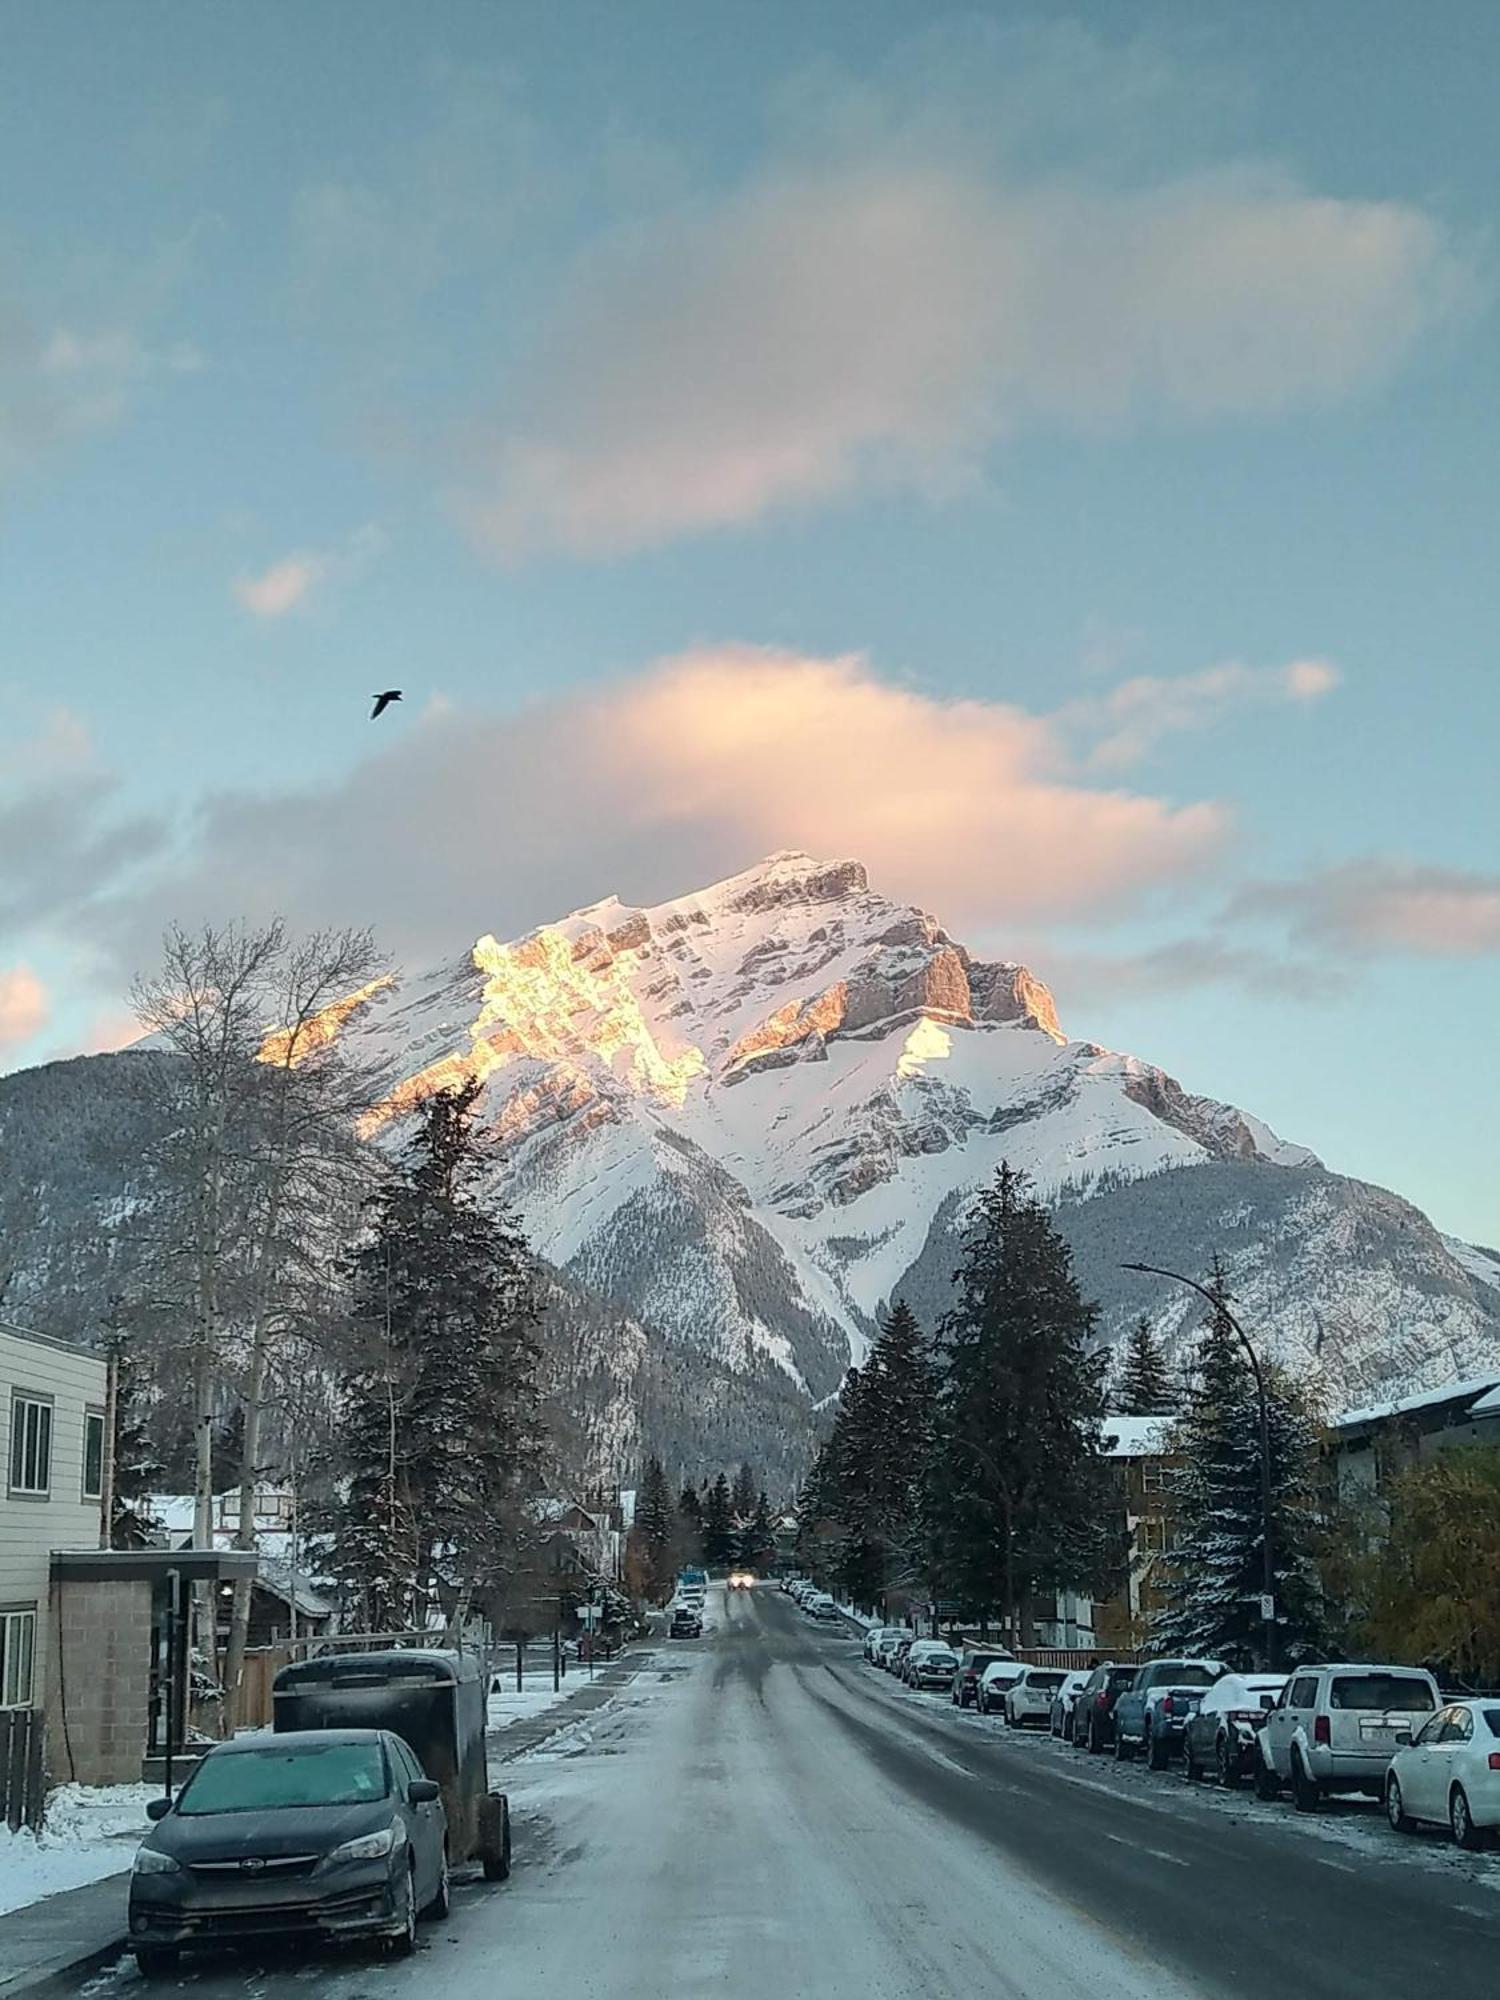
(327, 1833)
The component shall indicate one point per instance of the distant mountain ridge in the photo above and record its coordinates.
(743, 1120)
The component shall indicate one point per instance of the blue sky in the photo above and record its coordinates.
(1051, 456)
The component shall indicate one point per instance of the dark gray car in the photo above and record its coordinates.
(326, 1833)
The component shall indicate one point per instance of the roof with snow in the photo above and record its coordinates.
(1479, 1397)
(1135, 1437)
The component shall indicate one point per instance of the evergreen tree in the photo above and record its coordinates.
(652, 1530)
(688, 1538)
(1019, 1489)
(136, 1470)
(718, 1525)
(445, 1296)
(1143, 1385)
(897, 1443)
(758, 1542)
(742, 1500)
(1217, 1569)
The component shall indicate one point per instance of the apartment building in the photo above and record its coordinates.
(52, 1403)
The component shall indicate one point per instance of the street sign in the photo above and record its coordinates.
(1267, 1607)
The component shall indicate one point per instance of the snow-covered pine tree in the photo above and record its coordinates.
(718, 1525)
(1143, 1384)
(445, 1292)
(687, 1541)
(1216, 1571)
(1019, 1490)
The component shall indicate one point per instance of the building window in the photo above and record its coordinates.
(30, 1445)
(17, 1651)
(1155, 1476)
(93, 1454)
(1155, 1535)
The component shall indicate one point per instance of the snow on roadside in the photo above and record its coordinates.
(90, 1831)
(536, 1696)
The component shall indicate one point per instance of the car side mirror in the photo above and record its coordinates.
(422, 1791)
(158, 1808)
(1403, 1737)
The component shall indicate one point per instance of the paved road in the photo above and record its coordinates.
(760, 1816)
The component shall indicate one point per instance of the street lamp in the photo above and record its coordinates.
(1268, 1566)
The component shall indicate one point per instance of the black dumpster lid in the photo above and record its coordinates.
(376, 1669)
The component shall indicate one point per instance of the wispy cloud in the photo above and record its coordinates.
(1375, 907)
(25, 1005)
(1126, 723)
(855, 325)
(1186, 964)
(288, 583)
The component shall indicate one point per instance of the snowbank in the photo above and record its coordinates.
(90, 1832)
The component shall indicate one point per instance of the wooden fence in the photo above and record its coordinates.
(23, 1780)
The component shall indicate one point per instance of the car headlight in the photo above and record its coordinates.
(151, 1861)
(369, 1846)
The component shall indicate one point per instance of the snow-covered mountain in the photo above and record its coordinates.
(736, 1124)
(754, 1114)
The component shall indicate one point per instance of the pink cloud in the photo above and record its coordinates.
(671, 779)
(891, 319)
(25, 1005)
(282, 587)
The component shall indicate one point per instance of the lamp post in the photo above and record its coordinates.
(1268, 1565)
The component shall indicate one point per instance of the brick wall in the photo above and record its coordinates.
(98, 1680)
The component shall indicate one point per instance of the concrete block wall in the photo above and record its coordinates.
(98, 1680)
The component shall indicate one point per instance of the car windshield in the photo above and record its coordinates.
(1045, 1681)
(1403, 1692)
(329, 1774)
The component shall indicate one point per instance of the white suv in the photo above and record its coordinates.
(1029, 1698)
(1336, 1728)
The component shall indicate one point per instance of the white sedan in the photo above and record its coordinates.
(1450, 1773)
(994, 1682)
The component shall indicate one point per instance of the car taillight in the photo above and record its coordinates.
(1495, 1760)
(1100, 1699)
(1321, 1732)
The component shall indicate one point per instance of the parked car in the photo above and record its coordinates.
(1094, 1710)
(1028, 1700)
(824, 1607)
(885, 1650)
(814, 1601)
(1449, 1773)
(1151, 1714)
(877, 1635)
(1220, 1735)
(917, 1650)
(972, 1662)
(894, 1658)
(933, 1669)
(997, 1677)
(686, 1623)
(1060, 1715)
(1335, 1729)
(319, 1833)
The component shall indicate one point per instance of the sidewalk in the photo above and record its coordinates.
(56, 1942)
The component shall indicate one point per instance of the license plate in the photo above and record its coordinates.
(1377, 1732)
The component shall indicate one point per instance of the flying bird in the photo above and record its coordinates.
(383, 701)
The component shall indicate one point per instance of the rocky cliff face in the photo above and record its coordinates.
(741, 1121)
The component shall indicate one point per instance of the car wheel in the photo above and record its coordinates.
(1227, 1767)
(1460, 1820)
(1192, 1770)
(403, 1941)
(1122, 1749)
(1267, 1784)
(494, 1837)
(1157, 1752)
(442, 1900)
(155, 1961)
(1091, 1738)
(1307, 1794)
(1395, 1806)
